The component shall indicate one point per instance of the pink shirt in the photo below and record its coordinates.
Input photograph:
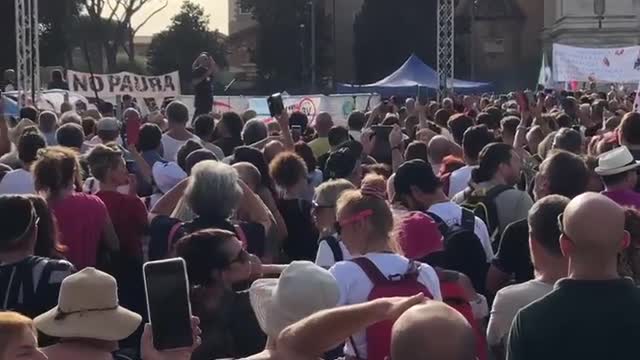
(81, 219)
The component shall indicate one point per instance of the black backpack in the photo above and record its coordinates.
(463, 250)
(334, 245)
(482, 203)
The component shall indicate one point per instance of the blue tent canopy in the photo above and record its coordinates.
(413, 77)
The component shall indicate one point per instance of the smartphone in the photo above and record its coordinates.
(132, 123)
(167, 291)
(523, 101)
(276, 106)
(382, 131)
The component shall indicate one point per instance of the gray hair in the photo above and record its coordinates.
(254, 131)
(213, 189)
(70, 117)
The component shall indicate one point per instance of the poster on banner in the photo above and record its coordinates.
(590, 64)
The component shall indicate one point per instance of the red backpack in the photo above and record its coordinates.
(379, 335)
(454, 295)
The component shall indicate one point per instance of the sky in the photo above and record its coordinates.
(216, 9)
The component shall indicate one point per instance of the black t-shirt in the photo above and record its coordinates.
(302, 239)
(230, 330)
(31, 286)
(513, 255)
(582, 320)
(203, 101)
(228, 144)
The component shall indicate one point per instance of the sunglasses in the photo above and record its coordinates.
(316, 206)
(339, 225)
(561, 223)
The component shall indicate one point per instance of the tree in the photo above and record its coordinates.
(384, 37)
(55, 24)
(120, 13)
(284, 43)
(187, 36)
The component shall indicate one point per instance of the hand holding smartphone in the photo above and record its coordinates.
(168, 305)
(276, 105)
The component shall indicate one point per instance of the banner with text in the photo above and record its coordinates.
(587, 64)
(110, 85)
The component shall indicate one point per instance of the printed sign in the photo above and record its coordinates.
(588, 64)
(124, 83)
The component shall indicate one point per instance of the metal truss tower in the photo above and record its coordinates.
(446, 34)
(27, 50)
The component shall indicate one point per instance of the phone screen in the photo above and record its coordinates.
(133, 130)
(166, 287)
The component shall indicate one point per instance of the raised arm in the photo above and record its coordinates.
(167, 203)
(327, 329)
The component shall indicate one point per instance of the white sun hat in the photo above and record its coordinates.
(302, 289)
(88, 308)
(616, 161)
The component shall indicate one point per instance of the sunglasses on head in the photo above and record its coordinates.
(339, 225)
(315, 205)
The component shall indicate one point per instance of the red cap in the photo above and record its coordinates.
(418, 235)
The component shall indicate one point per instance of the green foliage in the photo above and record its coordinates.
(186, 37)
(284, 43)
(386, 35)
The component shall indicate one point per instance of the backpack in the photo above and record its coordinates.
(334, 245)
(463, 250)
(379, 335)
(483, 204)
(454, 295)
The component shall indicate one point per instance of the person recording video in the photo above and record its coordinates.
(204, 67)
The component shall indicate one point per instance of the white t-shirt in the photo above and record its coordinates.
(508, 302)
(325, 257)
(17, 181)
(171, 146)
(355, 286)
(451, 214)
(459, 179)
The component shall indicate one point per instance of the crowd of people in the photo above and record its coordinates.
(471, 228)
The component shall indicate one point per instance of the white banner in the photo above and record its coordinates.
(124, 83)
(586, 64)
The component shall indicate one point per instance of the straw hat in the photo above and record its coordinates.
(88, 308)
(303, 289)
(616, 161)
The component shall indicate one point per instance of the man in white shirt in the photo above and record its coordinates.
(20, 181)
(356, 122)
(475, 138)
(177, 135)
(417, 188)
(548, 262)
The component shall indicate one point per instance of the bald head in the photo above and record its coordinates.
(272, 149)
(249, 174)
(595, 226)
(323, 124)
(439, 148)
(433, 331)
(48, 121)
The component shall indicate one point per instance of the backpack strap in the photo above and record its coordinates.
(370, 269)
(170, 239)
(442, 226)
(468, 220)
(334, 245)
(489, 202)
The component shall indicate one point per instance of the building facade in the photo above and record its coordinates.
(574, 22)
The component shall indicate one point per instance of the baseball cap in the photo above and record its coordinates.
(418, 236)
(108, 124)
(340, 164)
(415, 173)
